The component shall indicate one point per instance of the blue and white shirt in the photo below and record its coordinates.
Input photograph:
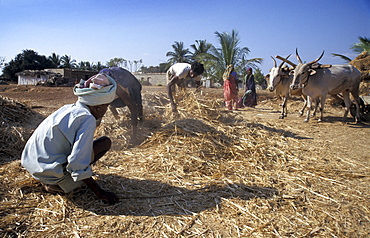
(61, 145)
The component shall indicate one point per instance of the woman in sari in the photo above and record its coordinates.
(230, 87)
(250, 96)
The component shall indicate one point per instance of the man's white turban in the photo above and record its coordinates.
(101, 89)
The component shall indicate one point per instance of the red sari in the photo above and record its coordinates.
(231, 91)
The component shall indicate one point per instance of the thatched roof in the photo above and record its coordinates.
(36, 72)
(362, 63)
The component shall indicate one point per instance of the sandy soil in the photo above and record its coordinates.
(275, 178)
(350, 138)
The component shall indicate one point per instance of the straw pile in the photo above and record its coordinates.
(204, 172)
(362, 63)
(13, 114)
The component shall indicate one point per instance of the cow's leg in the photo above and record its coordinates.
(347, 103)
(309, 105)
(140, 112)
(125, 97)
(114, 112)
(317, 103)
(304, 105)
(357, 101)
(283, 108)
(321, 101)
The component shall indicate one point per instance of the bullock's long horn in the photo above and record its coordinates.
(274, 61)
(286, 60)
(281, 65)
(298, 58)
(316, 60)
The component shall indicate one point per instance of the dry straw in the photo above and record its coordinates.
(203, 172)
(362, 63)
(13, 115)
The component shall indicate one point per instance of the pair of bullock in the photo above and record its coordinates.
(315, 82)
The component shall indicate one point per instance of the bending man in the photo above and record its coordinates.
(178, 73)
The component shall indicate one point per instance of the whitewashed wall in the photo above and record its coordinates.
(30, 80)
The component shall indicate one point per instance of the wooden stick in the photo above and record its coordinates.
(285, 60)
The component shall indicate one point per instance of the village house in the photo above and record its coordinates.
(69, 77)
(57, 77)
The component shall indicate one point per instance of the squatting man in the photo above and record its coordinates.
(62, 149)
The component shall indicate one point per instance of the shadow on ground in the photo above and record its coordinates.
(153, 198)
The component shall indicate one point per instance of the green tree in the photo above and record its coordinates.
(259, 78)
(81, 65)
(228, 53)
(179, 54)
(68, 62)
(161, 68)
(55, 59)
(2, 61)
(363, 45)
(27, 60)
(117, 62)
(135, 65)
(201, 53)
(200, 48)
(84, 65)
(343, 57)
(98, 66)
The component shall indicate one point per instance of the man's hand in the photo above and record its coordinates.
(107, 197)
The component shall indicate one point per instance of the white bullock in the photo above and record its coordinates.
(279, 80)
(317, 83)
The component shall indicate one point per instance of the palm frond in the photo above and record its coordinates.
(343, 57)
(363, 45)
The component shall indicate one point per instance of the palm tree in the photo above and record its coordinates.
(55, 59)
(117, 62)
(179, 54)
(363, 45)
(343, 57)
(228, 53)
(68, 62)
(98, 66)
(201, 47)
(87, 65)
(201, 53)
(81, 65)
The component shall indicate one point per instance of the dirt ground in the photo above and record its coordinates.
(351, 137)
(285, 178)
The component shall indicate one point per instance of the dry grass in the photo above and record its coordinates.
(362, 63)
(205, 172)
(13, 129)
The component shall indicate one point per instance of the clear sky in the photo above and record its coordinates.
(134, 29)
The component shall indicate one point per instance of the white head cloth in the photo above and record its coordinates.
(94, 96)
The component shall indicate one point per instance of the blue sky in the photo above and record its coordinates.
(133, 29)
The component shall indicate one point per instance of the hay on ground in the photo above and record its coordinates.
(362, 63)
(13, 115)
(204, 172)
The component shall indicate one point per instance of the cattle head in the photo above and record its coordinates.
(302, 72)
(277, 73)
